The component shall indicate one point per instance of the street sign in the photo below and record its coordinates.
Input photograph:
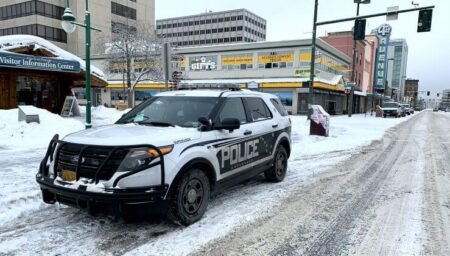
(392, 16)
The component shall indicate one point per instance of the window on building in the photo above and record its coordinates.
(123, 10)
(220, 30)
(220, 19)
(191, 23)
(226, 40)
(227, 18)
(239, 28)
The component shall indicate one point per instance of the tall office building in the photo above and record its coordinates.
(43, 18)
(234, 26)
(397, 64)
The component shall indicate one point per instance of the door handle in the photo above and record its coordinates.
(247, 132)
(275, 126)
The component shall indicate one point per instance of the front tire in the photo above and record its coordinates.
(278, 171)
(189, 198)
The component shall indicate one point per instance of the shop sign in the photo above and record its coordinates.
(306, 72)
(203, 63)
(15, 60)
(276, 58)
(237, 60)
(252, 85)
(383, 33)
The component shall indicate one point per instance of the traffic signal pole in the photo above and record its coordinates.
(313, 59)
(313, 46)
(352, 89)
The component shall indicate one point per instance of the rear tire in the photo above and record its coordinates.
(277, 172)
(189, 197)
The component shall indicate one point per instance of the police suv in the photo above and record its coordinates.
(170, 153)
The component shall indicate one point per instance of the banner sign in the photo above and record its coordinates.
(383, 33)
(15, 60)
(276, 58)
(237, 60)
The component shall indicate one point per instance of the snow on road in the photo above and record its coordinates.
(30, 227)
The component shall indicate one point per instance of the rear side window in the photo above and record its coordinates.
(258, 109)
(233, 108)
(280, 108)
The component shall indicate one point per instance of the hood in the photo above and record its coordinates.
(389, 108)
(132, 134)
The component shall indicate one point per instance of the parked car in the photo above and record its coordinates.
(172, 151)
(447, 109)
(435, 109)
(408, 109)
(392, 109)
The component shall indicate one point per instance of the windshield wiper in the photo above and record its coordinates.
(155, 123)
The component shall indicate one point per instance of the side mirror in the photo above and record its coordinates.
(229, 124)
(205, 123)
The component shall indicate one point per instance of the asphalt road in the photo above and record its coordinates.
(392, 198)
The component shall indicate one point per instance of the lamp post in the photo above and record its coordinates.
(69, 25)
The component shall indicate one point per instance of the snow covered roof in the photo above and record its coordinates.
(12, 42)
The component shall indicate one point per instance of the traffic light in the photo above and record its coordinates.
(424, 23)
(428, 93)
(380, 90)
(359, 30)
(438, 94)
(415, 94)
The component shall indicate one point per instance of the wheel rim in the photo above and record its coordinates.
(280, 164)
(193, 194)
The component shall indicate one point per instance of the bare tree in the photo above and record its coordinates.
(139, 53)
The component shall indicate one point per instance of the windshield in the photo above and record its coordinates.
(170, 111)
(390, 105)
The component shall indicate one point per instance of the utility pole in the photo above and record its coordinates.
(313, 57)
(352, 89)
(166, 65)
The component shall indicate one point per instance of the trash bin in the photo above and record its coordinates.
(320, 122)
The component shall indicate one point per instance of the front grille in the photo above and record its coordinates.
(94, 159)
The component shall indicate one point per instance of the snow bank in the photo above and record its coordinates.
(345, 133)
(102, 115)
(15, 134)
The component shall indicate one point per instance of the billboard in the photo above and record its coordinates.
(384, 33)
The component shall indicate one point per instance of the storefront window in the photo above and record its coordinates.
(144, 95)
(37, 91)
(119, 94)
(285, 97)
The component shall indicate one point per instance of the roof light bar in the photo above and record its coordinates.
(233, 87)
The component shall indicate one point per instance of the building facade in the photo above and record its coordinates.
(281, 68)
(35, 72)
(445, 98)
(411, 91)
(365, 54)
(397, 60)
(43, 18)
(210, 28)
(343, 41)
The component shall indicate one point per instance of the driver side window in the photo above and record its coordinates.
(233, 108)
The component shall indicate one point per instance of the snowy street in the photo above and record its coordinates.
(381, 190)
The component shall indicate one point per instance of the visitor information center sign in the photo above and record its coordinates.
(15, 60)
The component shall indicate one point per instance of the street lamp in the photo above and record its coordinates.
(69, 25)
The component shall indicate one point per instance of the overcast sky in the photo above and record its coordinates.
(429, 53)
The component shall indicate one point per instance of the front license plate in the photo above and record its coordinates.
(68, 175)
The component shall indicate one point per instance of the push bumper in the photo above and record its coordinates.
(113, 202)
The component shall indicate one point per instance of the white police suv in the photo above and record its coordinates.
(170, 153)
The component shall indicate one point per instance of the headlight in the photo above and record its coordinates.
(140, 157)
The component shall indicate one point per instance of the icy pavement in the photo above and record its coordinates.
(30, 227)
